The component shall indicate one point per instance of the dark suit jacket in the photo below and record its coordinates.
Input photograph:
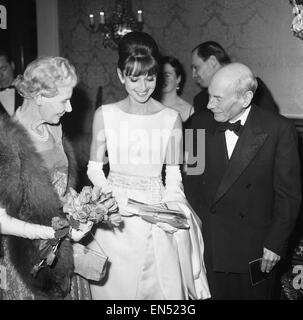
(251, 200)
(262, 98)
(18, 103)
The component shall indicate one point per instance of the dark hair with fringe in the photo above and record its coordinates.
(138, 54)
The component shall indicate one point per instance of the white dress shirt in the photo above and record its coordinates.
(230, 137)
(7, 98)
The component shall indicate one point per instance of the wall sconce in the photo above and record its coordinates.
(121, 22)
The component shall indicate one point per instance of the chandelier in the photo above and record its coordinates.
(121, 22)
(297, 22)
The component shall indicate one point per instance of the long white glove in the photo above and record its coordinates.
(173, 193)
(174, 190)
(19, 228)
(96, 175)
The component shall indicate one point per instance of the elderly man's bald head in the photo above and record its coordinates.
(238, 76)
(231, 90)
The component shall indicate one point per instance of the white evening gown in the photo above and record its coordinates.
(145, 261)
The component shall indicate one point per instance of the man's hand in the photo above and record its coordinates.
(269, 260)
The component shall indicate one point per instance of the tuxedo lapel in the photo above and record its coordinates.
(18, 100)
(2, 109)
(18, 103)
(216, 160)
(248, 144)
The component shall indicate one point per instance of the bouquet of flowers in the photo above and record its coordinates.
(91, 204)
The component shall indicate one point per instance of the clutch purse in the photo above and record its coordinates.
(155, 214)
(89, 264)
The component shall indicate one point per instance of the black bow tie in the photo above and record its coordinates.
(9, 87)
(236, 127)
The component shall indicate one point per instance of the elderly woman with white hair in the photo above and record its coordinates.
(34, 175)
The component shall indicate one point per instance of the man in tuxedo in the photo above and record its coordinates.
(209, 57)
(248, 195)
(10, 100)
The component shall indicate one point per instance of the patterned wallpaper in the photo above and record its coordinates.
(256, 32)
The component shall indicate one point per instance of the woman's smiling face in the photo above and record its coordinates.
(52, 109)
(140, 87)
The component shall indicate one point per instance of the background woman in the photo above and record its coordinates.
(148, 261)
(32, 181)
(173, 81)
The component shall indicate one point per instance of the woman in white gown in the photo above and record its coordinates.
(148, 261)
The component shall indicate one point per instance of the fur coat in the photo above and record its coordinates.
(26, 193)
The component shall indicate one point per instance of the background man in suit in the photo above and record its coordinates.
(10, 100)
(209, 57)
(248, 196)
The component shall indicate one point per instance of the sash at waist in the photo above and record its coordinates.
(144, 189)
(123, 180)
